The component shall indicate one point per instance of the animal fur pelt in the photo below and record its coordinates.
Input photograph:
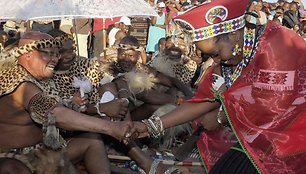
(183, 68)
(166, 141)
(48, 161)
(164, 65)
(139, 81)
(7, 60)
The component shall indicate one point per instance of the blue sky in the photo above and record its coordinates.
(303, 1)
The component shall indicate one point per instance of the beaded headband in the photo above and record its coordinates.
(213, 18)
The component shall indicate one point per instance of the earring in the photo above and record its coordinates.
(236, 51)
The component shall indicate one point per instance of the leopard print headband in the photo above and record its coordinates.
(11, 56)
(40, 44)
(129, 47)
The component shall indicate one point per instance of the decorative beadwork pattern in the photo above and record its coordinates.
(220, 12)
(249, 40)
(249, 34)
(155, 126)
(217, 29)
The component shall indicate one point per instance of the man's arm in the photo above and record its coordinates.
(156, 98)
(71, 120)
(182, 114)
(173, 82)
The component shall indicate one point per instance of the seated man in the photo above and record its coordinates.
(143, 80)
(175, 61)
(61, 84)
(25, 105)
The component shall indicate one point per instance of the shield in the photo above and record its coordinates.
(56, 9)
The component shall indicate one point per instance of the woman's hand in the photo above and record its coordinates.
(140, 130)
(209, 120)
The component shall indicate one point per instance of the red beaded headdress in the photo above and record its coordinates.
(213, 18)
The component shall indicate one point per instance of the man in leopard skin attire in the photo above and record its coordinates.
(25, 106)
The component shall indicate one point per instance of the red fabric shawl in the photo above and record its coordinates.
(211, 144)
(266, 105)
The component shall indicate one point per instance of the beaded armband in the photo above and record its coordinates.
(155, 126)
(40, 105)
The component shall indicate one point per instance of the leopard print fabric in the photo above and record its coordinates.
(61, 83)
(183, 70)
(16, 75)
(40, 105)
(12, 77)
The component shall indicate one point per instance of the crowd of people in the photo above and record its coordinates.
(232, 70)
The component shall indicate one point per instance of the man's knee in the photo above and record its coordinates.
(12, 166)
(87, 140)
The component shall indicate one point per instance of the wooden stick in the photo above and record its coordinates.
(166, 162)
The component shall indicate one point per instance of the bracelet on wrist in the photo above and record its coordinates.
(155, 126)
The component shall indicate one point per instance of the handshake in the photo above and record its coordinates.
(152, 127)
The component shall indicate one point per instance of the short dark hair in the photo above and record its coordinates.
(130, 40)
(279, 7)
(161, 40)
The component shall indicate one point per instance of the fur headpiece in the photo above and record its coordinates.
(10, 57)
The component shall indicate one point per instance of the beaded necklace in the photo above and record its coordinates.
(249, 50)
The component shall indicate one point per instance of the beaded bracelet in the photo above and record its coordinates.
(155, 126)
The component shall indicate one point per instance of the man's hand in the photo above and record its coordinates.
(79, 102)
(122, 131)
(115, 108)
(140, 130)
